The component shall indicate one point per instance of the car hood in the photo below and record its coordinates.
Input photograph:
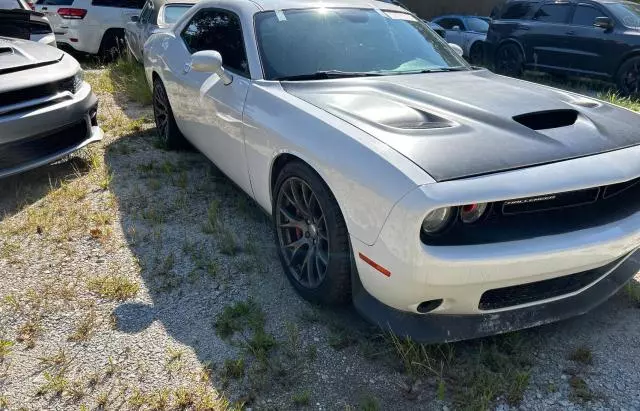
(17, 55)
(462, 124)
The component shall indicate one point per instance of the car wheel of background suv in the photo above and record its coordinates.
(112, 45)
(509, 60)
(628, 78)
(476, 53)
(311, 236)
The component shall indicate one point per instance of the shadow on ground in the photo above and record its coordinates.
(22, 189)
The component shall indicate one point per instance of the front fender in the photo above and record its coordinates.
(366, 176)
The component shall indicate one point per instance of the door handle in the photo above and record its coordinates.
(186, 68)
(44, 8)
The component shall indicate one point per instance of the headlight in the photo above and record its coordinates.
(471, 213)
(78, 79)
(437, 220)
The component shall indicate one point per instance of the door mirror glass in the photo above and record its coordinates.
(457, 49)
(603, 23)
(210, 61)
(455, 28)
(135, 19)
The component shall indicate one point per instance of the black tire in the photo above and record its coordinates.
(301, 235)
(169, 135)
(509, 60)
(111, 45)
(476, 54)
(628, 78)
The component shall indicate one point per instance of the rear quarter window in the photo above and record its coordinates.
(517, 10)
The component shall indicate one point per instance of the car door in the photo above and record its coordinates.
(210, 111)
(545, 41)
(133, 30)
(592, 48)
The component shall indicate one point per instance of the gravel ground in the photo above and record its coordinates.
(120, 266)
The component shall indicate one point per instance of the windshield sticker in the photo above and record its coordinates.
(280, 15)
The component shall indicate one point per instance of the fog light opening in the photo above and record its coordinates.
(428, 306)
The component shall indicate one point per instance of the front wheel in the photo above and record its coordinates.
(476, 54)
(628, 78)
(311, 236)
(509, 60)
(169, 136)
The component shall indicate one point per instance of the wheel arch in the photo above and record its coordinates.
(624, 59)
(506, 41)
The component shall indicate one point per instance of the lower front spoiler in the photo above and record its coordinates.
(435, 328)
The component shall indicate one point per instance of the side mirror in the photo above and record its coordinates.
(455, 28)
(135, 19)
(210, 61)
(603, 23)
(457, 49)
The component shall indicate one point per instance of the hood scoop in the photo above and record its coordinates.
(5, 50)
(545, 120)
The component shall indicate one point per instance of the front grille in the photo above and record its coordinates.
(541, 290)
(31, 93)
(546, 215)
(17, 153)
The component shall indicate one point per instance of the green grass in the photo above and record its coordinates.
(238, 317)
(580, 391)
(113, 287)
(582, 355)
(233, 369)
(5, 349)
(632, 290)
(124, 76)
(302, 398)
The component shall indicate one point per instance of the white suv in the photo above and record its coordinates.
(90, 26)
(18, 20)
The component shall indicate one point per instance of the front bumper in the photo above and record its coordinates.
(448, 328)
(48, 132)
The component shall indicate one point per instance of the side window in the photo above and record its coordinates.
(586, 15)
(146, 12)
(449, 23)
(221, 31)
(122, 4)
(517, 10)
(553, 13)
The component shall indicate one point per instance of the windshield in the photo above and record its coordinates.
(477, 24)
(10, 5)
(302, 42)
(173, 12)
(627, 13)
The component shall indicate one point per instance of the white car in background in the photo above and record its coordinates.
(90, 26)
(156, 14)
(468, 32)
(446, 201)
(17, 19)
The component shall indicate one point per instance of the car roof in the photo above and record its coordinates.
(270, 5)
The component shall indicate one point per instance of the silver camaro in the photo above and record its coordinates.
(47, 110)
(447, 202)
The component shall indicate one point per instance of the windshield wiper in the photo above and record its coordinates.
(328, 74)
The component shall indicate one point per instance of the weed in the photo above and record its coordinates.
(184, 398)
(227, 243)
(632, 289)
(368, 403)
(102, 400)
(260, 344)
(582, 355)
(4, 402)
(341, 338)
(580, 391)
(238, 317)
(58, 360)
(5, 349)
(113, 287)
(301, 398)
(128, 77)
(211, 225)
(312, 353)
(112, 367)
(85, 327)
(55, 384)
(233, 368)
(28, 332)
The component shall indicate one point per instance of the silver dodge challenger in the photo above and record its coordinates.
(447, 202)
(47, 110)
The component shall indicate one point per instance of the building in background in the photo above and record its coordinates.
(431, 8)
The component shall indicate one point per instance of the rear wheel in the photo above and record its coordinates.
(112, 45)
(509, 60)
(311, 236)
(628, 78)
(476, 54)
(169, 135)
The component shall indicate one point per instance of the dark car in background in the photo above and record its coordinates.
(594, 38)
